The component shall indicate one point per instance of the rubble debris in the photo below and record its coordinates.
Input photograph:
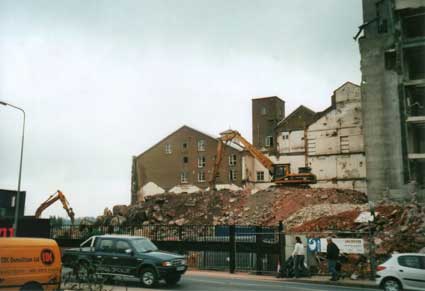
(266, 207)
(397, 227)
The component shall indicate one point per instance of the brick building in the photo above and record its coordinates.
(183, 162)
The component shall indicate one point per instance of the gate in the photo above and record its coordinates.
(211, 247)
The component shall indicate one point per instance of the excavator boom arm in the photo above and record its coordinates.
(52, 199)
(263, 159)
(228, 136)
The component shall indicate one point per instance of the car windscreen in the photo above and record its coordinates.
(143, 245)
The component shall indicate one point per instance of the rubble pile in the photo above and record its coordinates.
(397, 227)
(268, 207)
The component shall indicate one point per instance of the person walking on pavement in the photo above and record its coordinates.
(332, 252)
(298, 255)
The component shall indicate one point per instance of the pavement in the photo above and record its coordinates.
(214, 281)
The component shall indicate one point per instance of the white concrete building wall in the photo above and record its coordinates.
(293, 144)
(324, 167)
(333, 167)
(335, 143)
(347, 92)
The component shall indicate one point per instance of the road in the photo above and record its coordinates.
(208, 283)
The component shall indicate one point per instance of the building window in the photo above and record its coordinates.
(185, 160)
(201, 176)
(269, 141)
(232, 175)
(201, 162)
(201, 145)
(232, 160)
(168, 150)
(285, 136)
(344, 144)
(183, 177)
(184, 146)
(311, 146)
(260, 176)
(263, 111)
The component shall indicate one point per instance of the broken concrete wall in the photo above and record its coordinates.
(383, 74)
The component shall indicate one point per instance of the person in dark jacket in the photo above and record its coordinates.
(332, 252)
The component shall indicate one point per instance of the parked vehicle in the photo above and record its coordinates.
(29, 264)
(402, 272)
(132, 256)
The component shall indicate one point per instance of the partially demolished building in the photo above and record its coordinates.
(329, 142)
(392, 51)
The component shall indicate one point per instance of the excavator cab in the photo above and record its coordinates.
(280, 170)
(281, 173)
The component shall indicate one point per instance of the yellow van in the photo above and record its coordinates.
(29, 264)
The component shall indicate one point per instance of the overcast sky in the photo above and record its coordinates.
(104, 80)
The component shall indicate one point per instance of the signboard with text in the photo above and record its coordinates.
(345, 245)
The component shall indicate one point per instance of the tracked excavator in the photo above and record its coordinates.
(281, 174)
(58, 195)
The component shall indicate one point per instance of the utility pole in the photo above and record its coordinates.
(18, 193)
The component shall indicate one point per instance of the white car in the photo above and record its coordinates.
(402, 272)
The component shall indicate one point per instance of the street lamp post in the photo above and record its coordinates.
(18, 194)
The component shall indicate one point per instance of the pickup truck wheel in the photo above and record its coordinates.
(148, 277)
(172, 280)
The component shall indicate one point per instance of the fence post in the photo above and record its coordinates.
(372, 253)
(232, 249)
(180, 232)
(282, 245)
(259, 251)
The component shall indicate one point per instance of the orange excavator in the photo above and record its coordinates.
(281, 174)
(58, 195)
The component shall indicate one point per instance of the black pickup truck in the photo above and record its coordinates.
(134, 256)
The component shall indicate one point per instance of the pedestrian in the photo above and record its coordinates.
(332, 253)
(298, 255)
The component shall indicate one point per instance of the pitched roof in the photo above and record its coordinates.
(346, 83)
(320, 114)
(236, 147)
(333, 105)
(298, 119)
